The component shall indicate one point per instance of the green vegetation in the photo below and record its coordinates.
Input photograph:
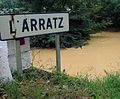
(86, 17)
(38, 84)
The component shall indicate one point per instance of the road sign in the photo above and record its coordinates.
(5, 27)
(32, 24)
(24, 25)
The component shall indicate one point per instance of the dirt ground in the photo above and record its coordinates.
(100, 56)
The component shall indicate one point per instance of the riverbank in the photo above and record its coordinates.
(36, 84)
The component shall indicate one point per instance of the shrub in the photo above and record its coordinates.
(86, 17)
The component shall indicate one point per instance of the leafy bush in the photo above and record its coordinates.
(111, 10)
(83, 22)
(11, 7)
(86, 17)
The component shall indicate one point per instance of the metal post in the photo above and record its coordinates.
(18, 56)
(58, 61)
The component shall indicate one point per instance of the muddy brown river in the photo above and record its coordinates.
(101, 55)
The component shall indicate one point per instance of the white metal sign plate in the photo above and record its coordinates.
(33, 24)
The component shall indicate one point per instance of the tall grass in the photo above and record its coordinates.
(37, 84)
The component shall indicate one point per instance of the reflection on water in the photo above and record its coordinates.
(102, 54)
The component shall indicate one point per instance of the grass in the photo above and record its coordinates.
(38, 84)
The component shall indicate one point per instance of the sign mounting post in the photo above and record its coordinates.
(17, 45)
(58, 60)
(18, 56)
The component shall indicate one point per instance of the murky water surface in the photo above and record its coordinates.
(102, 54)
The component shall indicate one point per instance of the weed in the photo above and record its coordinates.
(38, 84)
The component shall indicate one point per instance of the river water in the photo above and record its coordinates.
(100, 56)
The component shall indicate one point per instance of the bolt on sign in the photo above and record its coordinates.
(24, 25)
